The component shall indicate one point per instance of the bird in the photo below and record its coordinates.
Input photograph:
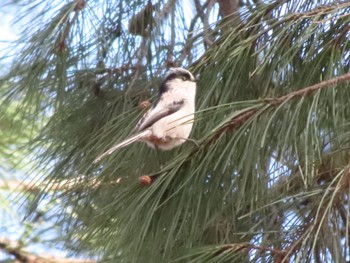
(169, 122)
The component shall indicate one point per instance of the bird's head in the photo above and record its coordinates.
(178, 79)
(179, 74)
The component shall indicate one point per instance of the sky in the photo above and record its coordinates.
(10, 225)
(8, 32)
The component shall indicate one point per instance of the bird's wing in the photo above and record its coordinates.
(157, 113)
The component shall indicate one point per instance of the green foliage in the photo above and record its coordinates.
(269, 180)
(15, 132)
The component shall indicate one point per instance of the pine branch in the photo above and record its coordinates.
(61, 43)
(245, 116)
(311, 89)
(71, 184)
(236, 247)
(225, 251)
(14, 248)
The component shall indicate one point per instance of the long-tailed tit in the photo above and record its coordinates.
(168, 123)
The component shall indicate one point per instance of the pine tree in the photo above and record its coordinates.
(269, 178)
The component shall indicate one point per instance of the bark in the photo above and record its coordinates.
(229, 10)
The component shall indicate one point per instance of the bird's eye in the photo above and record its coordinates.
(184, 78)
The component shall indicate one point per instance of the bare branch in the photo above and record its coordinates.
(229, 10)
(205, 20)
(15, 249)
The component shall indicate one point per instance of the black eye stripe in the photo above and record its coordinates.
(172, 76)
(187, 76)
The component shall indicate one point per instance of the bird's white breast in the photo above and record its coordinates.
(176, 128)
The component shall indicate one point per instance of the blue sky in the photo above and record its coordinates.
(8, 31)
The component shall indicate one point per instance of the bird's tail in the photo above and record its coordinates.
(124, 143)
